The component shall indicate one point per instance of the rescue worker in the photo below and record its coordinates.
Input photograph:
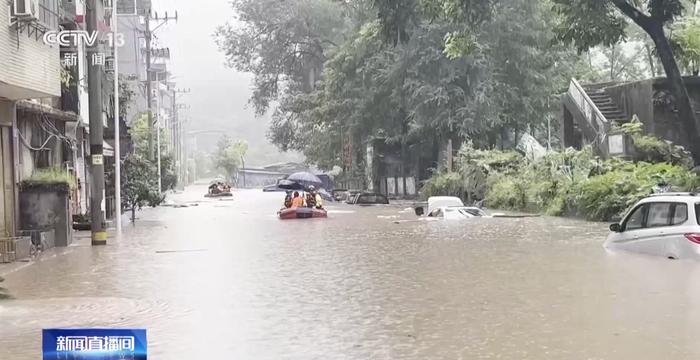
(313, 199)
(297, 201)
(288, 200)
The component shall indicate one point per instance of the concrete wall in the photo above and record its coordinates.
(28, 67)
(8, 190)
(646, 99)
(634, 99)
(43, 210)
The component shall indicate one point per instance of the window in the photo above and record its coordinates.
(697, 212)
(680, 214)
(659, 214)
(48, 13)
(636, 219)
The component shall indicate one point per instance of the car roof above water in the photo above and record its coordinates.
(672, 197)
(435, 202)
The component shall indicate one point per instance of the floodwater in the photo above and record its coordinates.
(228, 280)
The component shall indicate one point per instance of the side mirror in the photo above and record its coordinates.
(419, 211)
(615, 227)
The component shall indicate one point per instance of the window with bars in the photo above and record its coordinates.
(49, 13)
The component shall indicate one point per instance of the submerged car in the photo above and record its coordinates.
(351, 196)
(457, 212)
(666, 224)
(340, 194)
(452, 208)
(367, 198)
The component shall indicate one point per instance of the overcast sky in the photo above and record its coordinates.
(219, 95)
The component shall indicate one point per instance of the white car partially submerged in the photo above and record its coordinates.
(665, 225)
(457, 213)
(449, 208)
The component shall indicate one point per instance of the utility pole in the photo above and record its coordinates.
(99, 235)
(160, 185)
(177, 137)
(117, 137)
(149, 95)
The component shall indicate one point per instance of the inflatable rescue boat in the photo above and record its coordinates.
(302, 213)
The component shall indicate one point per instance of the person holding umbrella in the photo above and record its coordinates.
(313, 199)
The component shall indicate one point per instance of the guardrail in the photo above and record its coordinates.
(589, 110)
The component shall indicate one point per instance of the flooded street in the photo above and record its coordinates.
(228, 280)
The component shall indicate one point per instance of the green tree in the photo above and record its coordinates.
(588, 23)
(687, 38)
(282, 43)
(139, 135)
(139, 184)
(229, 157)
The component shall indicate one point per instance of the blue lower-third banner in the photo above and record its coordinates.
(77, 344)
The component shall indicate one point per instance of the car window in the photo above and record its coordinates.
(367, 199)
(659, 214)
(636, 219)
(680, 214)
(697, 212)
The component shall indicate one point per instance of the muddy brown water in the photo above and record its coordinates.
(228, 280)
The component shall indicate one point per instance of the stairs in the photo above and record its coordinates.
(607, 106)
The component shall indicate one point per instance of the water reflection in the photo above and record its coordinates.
(358, 286)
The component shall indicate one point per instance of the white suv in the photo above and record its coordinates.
(663, 224)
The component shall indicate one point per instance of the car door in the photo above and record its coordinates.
(677, 245)
(631, 226)
(644, 230)
(658, 232)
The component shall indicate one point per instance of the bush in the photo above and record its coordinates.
(649, 148)
(50, 177)
(605, 196)
(570, 182)
(444, 184)
(507, 192)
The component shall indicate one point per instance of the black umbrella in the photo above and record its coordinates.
(290, 185)
(306, 179)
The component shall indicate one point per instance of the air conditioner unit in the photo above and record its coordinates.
(26, 9)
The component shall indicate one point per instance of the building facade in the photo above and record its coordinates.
(30, 70)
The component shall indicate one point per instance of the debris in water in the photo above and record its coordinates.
(179, 251)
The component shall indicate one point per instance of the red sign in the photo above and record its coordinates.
(101, 25)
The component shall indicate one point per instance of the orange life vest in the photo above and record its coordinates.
(298, 202)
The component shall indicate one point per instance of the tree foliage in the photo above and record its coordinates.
(139, 184)
(229, 156)
(339, 74)
(282, 43)
(686, 37)
(139, 135)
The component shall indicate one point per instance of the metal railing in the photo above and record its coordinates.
(589, 110)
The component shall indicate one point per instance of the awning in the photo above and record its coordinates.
(42, 109)
(107, 150)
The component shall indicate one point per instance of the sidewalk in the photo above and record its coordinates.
(80, 239)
